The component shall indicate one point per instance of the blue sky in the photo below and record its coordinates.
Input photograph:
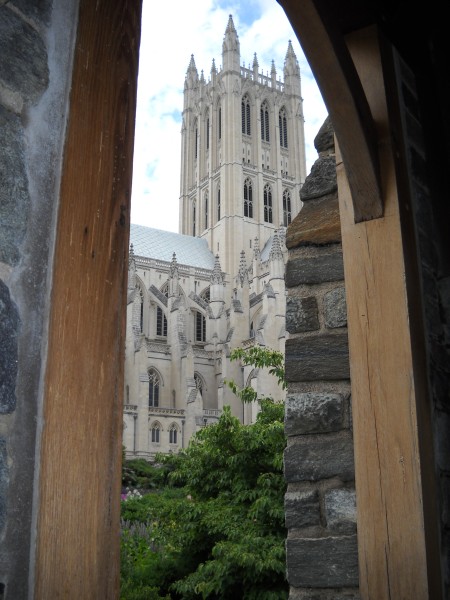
(262, 27)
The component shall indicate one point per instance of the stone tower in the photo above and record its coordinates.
(242, 152)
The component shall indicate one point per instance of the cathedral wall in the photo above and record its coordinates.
(36, 49)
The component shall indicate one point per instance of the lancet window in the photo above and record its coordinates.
(198, 382)
(161, 322)
(282, 123)
(193, 219)
(207, 133)
(248, 199)
(200, 327)
(153, 388)
(245, 113)
(287, 213)
(218, 203)
(173, 434)
(264, 113)
(206, 210)
(219, 124)
(268, 216)
(195, 140)
(156, 430)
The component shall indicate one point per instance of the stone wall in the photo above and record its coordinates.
(36, 43)
(322, 561)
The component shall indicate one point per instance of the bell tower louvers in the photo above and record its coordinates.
(242, 154)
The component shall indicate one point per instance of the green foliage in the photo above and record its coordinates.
(216, 529)
(139, 473)
(261, 358)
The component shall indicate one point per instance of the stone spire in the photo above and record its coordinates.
(174, 267)
(216, 275)
(273, 74)
(291, 72)
(231, 48)
(174, 289)
(275, 251)
(131, 269)
(255, 67)
(191, 74)
(256, 252)
(243, 272)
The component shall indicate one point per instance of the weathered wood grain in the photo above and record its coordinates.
(77, 548)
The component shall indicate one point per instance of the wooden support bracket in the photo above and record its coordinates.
(328, 56)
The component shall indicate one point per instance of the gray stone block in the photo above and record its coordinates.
(9, 324)
(4, 479)
(324, 140)
(335, 308)
(23, 57)
(313, 412)
(340, 510)
(316, 269)
(322, 179)
(319, 357)
(311, 458)
(14, 197)
(330, 562)
(301, 314)
(301, 509)
(38, 10)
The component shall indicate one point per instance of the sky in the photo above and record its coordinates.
(198, 28)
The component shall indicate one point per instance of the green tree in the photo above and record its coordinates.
(218, 531)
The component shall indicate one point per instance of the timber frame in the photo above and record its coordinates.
(79, 481)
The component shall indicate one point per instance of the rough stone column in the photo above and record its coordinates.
(35, 71)
(320, 506)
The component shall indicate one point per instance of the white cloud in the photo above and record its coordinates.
(165, 52)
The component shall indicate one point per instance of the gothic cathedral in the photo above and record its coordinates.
(219, 283)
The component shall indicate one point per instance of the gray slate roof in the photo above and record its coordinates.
(160, 245)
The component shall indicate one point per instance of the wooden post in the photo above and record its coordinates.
(77, 547)
(394, 538)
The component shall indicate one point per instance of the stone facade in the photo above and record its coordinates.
(320, 504)
(219, 284)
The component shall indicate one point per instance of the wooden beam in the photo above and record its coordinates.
(327, 54)
(77, 548)
(386, 393)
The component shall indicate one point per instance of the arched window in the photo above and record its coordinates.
(156, 429)
(206, 210)
(153, 388)
(195, 140)
(141, 311)
(286, 208)
(268, 204)
(173, 434)
(193, 218)
(218, 203)
(161, 322)
(245, 113)
(282, 123)
(265, 122)
(219, 124)
(200, 327)
(199, 383)
(207, 132)
(206, 294)
(248, 199)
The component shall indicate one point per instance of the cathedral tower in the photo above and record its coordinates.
(242, 154)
